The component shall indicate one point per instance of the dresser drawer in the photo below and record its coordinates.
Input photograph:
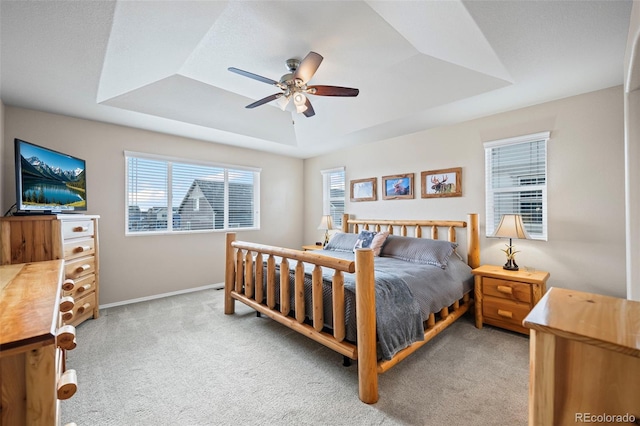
(505, 289)
(79, 247)
(82, 286)
(83, 309)
(77, 229)
(504, 310)
(79, 267)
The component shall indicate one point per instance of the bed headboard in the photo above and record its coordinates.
(401, 227)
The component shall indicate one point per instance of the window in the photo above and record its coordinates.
(174, 195)
(333, 194)
(516, 182)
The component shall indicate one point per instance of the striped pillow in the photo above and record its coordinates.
(419, 250)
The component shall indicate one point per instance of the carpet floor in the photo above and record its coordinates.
(180, 361)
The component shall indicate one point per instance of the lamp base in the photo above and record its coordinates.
(511, 265)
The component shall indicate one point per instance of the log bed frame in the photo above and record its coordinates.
(245, 265)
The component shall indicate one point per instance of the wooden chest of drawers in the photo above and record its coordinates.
(71, 237)
(504, 298)
(33, 342)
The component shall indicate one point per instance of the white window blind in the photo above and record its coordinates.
(333, 194)
(516, 182)
(175, 195)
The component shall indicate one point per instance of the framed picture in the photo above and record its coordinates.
(364, 189)
(397, 187)
(441, 183)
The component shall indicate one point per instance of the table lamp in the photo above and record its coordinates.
(511, 226)
(325, 223)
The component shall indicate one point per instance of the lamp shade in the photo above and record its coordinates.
(325, 222)
(511, 226)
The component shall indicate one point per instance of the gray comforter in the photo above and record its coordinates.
(406, 293)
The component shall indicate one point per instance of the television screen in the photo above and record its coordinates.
(47, 180)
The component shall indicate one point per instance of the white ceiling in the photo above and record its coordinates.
(162, 65)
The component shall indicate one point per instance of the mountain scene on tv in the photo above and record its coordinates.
(50, 184)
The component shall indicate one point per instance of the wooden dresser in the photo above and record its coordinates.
(33, 341)
(71, 237)
(584, 359)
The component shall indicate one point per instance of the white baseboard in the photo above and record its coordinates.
(217, 286)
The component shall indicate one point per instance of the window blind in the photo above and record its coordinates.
(516, 182)
(175, 195)
(333, 183)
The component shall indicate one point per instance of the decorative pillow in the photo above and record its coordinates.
(341, 241)
(370, 239)
(419, 250)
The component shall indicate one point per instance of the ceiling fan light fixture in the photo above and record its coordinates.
(299, 99)
(282, 102)
(301, 108)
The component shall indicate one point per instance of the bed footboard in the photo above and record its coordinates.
(244, 282)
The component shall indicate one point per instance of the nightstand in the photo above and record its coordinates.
(312, 247)
(504, 298)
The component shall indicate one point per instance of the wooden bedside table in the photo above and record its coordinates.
(504, 298)
(311, 247)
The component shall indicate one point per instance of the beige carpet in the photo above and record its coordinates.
(181, 361)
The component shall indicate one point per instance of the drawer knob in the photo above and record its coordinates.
(66, 337)
(84, 288)
(84, 307)
(505, 289)
(83, 268)
(67, 384)
(66, 303)
(506, 314)
(81, 229)
(81, 249)
(68, 284)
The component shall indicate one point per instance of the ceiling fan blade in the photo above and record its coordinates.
(253, 76)
(264, 100)
(308, 67)
(309, 112)
(332, 91)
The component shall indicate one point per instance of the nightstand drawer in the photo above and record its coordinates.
(505, 289)
(505, 310)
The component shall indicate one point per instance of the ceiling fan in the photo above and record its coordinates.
(294, 85)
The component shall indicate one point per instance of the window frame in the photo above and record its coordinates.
(170, 160)
(327, 198)
(522, 189)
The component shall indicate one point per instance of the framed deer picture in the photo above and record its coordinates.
(441, 183)
(397, 187)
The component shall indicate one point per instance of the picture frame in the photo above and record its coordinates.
(397, 187)
(441, 183)
(364, 189)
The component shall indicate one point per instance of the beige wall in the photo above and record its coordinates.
(4, 167)
(632, 152)
(586, 245)
(141, 266)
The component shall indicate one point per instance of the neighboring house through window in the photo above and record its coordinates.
(175, 195)
(333, 194)
(516, 182)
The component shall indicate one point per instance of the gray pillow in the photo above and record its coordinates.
(419, 250)
(341, 241)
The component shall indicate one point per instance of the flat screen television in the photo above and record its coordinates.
(48, 181)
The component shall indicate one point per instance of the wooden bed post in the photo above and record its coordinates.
(366, 327)
(473, 241)
(345, 223)
(229, 275)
